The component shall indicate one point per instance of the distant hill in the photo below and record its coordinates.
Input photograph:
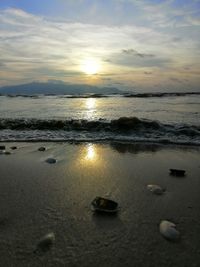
(56, 88)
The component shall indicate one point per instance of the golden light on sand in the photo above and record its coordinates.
(90, 152)
(91, 66)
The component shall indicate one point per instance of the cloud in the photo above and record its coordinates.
(35, 47)
(147, 72)
(135, 53)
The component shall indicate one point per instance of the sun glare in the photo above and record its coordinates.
(91, 67)
(90, 103)
(90, 154)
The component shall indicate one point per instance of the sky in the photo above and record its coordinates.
(132, 44)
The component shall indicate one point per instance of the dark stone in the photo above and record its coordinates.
(51, 160)
(42, 148)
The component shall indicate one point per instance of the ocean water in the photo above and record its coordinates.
(150, 118)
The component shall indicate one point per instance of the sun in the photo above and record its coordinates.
(91, 66)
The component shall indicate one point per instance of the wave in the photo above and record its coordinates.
(146, 95)
(124, 128)
(126, 94)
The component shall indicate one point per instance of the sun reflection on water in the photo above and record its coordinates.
(90, 106)
(90, 103)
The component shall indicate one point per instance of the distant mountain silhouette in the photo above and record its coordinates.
(56, 88)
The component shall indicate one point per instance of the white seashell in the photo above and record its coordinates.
(168, 230)
(51, 160)
(155, 189)
(46, 242)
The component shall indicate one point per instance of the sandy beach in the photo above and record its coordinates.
(38, 198)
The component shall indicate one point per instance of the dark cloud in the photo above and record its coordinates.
(136, 53)
(148, 72)
(176, 39)
(175, 80)
(138, 60)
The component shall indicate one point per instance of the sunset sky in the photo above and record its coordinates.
(139, 44)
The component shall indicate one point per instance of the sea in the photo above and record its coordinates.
(167, 118)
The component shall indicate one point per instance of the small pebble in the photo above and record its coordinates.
(51, 160)
(168, 230)
(2, 147)
(155, 189)
(42, 148)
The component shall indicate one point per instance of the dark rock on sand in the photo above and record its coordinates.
(2, 147)
(42, 148)
(177, 172)
(51, 160)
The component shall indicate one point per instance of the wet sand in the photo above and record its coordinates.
(37, 198)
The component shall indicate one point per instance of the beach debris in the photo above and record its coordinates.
(155, 189)
(168, 230)
(51, 160)
(101, 204)
(2, 147)
(45, 242)
(13, 147)
(177, 172)
(42, 148)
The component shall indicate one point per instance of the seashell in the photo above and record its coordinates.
(46, 242)
(155, 189)
(168, 230)
(51, 160)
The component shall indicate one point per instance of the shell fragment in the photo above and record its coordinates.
(168, 230)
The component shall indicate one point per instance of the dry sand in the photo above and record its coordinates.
(37, 198)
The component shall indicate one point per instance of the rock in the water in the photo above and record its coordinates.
(3, 152)
(13, 147)
(7, 152)
(42, 148)
(46, 242)
(2, 147)
(155, 189)
(51, 160)
(168, 230)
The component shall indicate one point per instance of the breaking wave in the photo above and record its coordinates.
(94, 95)
(124, 128)
(145, 95)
